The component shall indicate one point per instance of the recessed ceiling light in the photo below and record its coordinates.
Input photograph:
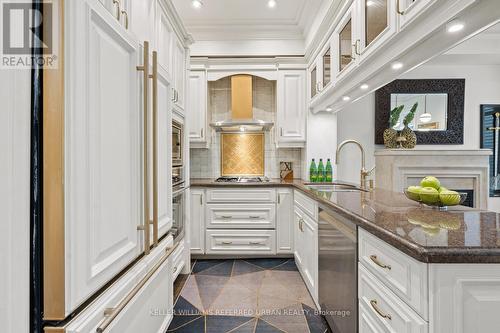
(271, 3)
(197, 4)
(455, 26)
(397, 65)
(370, 3)
(346, 98)
(364, 86)
(329, 109)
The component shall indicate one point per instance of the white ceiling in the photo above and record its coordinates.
(222, 20)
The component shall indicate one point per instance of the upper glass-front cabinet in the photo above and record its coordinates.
(377, 23)
(343, 44)
(314, 81)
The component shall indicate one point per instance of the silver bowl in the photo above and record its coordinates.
(438, 205)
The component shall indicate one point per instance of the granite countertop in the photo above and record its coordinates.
(460, 235)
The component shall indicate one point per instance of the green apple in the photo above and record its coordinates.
(414, 192)
(449, 198)
(429, 195)
(430, 181)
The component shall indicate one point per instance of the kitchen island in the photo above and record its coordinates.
(418, 269)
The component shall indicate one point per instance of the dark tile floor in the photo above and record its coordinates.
(245, 296)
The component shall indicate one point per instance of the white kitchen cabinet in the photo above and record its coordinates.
(241, 216)
(149, 310)
(284, 221)
(306, 250)
(103, 151)
(179, 73)
(164, 153)
(408, 10)
(291, 108)
(377, 22)
(197, 109)
(142, 20)
(165, 36)
(197, 221)
(244, 242)
(345, 36)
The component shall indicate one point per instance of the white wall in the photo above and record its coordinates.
(357, 121)
(321, 139)
(14, 199)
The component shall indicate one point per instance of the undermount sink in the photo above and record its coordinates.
(333, 187)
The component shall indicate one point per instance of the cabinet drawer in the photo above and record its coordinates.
(242, 195)
(228, 216)
(387, 310)
(148, 310)
(368, 323)
(308, 206)
(178, 260)
(405, 276)
(240, 242)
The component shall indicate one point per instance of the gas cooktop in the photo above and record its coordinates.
(242, 180)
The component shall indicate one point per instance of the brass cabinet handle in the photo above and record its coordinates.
(356, 47)
(118, 9)
(145, 69)
(378, 263)
(279, 198)
(255, 243)
(201, 133)
(175, 269)
(255, 217)
(173, 95)
(201, 200)
(126, 18)
(281, 131)
(226, 217)
(380, 313)
(154, 76)
(227, 243)
(301, 224)
(398, 9)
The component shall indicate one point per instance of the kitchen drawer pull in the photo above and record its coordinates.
(227, 217)
(255, 217)
(378, 263)
(227, 243)
(380, 313)
(255, 243)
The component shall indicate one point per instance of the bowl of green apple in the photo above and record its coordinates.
(432, 194)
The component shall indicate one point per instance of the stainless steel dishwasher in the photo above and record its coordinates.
(338, 280)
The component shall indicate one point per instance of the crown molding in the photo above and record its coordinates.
(178, 24)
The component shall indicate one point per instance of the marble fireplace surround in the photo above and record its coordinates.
(457, 169)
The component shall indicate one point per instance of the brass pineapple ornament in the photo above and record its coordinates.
(390, 134)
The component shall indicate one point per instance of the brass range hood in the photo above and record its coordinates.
(242, 119)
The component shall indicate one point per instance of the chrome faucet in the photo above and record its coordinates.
(363, 173)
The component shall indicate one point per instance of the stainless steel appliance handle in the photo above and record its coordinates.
(112, 313)
(145, 70)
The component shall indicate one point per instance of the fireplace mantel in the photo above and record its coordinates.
(457, 169)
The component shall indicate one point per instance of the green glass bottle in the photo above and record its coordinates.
(313, 172)
(321, 171)
(329, 172)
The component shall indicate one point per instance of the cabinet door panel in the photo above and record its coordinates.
(180, 71)
(285, 222)
(164, 37)
(197, 221)
(103, 153)
(164, 155)
(142, 20)
(291, 104)
(197, 106)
